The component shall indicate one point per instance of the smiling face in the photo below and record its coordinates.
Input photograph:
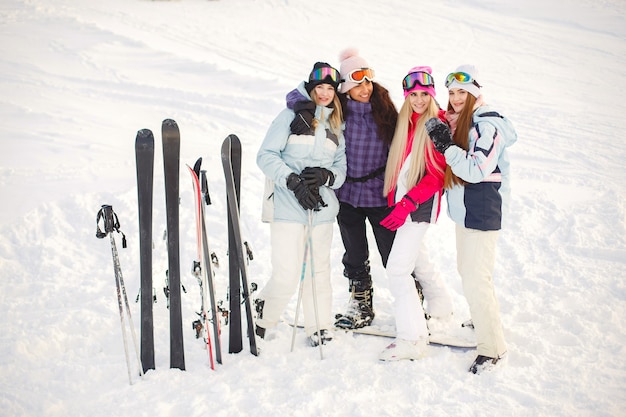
(419, 101)
(324, 94)
(457, 98)
(362, 92)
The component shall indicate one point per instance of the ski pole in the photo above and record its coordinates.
(116, 261)
(300, 287)
(111, 224)
(310, 243)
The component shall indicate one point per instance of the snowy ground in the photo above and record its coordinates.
(78, 79)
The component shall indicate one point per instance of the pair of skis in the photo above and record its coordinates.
(144, 152)
(231, 161)
(238, 276)
(202, 267)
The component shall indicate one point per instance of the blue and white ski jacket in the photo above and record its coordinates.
(479, 203)
(283, 153)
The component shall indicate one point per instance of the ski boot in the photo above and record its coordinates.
(360, 310)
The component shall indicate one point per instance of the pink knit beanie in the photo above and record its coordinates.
(430, 89)
(350, 60)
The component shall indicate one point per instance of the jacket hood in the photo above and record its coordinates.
(297, 94)
(486, 114)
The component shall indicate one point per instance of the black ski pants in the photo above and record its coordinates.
(351, 221)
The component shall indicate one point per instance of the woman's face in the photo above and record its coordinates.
(362, 92)
(419, 100)
(324, 94)
(457, 98)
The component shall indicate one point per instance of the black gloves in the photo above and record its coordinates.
(303, 194)
(317, 176)
(439, 133)
(303, 122)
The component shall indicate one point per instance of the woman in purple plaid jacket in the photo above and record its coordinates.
(370, 117)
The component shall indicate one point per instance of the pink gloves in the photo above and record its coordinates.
(398, 215)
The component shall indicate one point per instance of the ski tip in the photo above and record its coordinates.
(144, 133)
(196, 166)
(144, 140)
(169, 123)
(233, 141)
(226, 147)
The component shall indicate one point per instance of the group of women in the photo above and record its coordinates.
(341, 151)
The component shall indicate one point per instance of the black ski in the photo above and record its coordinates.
(171, 164)
(231, 161)
(144, 153)
(235, 340)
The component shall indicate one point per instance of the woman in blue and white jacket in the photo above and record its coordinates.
(477, 190)
(303, 154)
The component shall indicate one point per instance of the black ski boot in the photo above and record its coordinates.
(360, 310)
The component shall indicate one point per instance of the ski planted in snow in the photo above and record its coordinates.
(231, 161)
(207, 257)
(171, 164)
(144, 154)
(202, 269)
(235, 344)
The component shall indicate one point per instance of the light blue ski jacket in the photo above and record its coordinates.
(479, 204)
(283, 153)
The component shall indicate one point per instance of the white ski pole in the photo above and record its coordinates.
(317, 319)
(295, 324)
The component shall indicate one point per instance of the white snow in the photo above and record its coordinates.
(78, 79)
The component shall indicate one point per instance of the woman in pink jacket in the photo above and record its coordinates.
(413, 185)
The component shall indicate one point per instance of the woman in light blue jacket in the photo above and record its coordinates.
(477, 189)
(303, 154)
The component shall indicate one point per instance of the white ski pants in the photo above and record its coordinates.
(476, 255)
(410, 254)
(288, 243)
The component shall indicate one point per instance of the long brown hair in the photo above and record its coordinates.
(384, 112)
(421, 151)
(461, 137)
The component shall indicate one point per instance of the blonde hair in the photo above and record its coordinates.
(336, 117)
(422, 149)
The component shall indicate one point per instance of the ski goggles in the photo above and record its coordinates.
(360, 74)
(461, 77)
(422, 78)
(320, 74)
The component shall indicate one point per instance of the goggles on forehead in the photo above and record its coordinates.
(461, 77)
(360, 74)
(320, 74)
(422, 78)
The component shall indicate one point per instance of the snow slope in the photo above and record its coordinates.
(78, 79)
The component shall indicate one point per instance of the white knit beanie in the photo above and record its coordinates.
(470, 87)
(350, 60)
